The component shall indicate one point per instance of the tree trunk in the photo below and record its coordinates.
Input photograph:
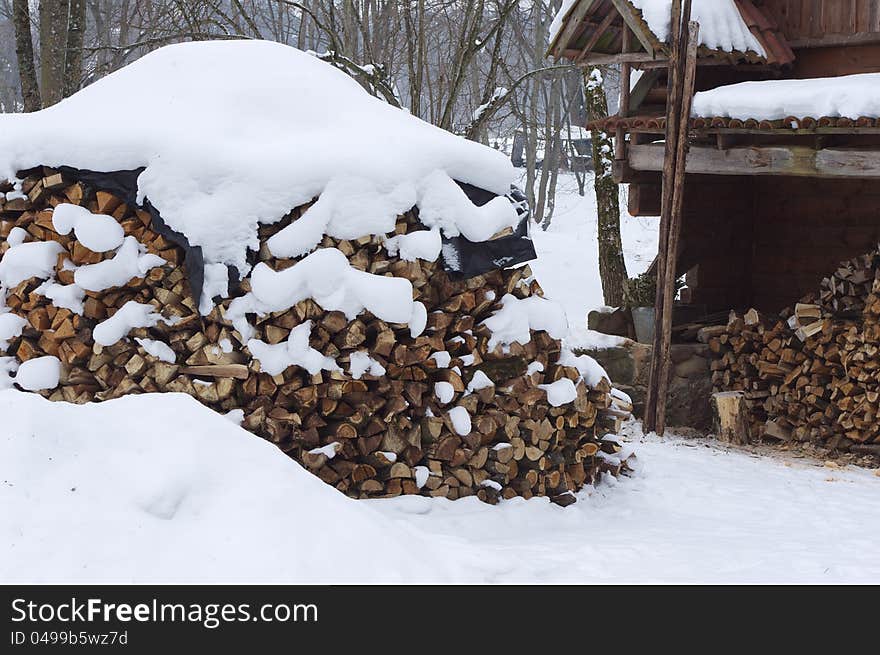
(73, 65)
(24, 50)
(53, 43)
(612, 267)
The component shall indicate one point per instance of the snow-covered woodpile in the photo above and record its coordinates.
(472, 395)
(813, 372)
(379, 332)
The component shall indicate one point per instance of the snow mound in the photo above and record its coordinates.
(181, 495)
(232, 134)
(850, 96)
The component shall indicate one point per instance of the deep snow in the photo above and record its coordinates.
(185, 495)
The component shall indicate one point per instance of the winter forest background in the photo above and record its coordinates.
(474, 67)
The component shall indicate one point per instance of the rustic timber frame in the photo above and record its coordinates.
(771, 206)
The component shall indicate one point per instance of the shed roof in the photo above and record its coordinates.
(731, 30)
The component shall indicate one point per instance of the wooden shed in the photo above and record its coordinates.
(771, 202)
(771, 206)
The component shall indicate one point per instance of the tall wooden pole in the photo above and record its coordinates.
(682, 72)
(623, 105)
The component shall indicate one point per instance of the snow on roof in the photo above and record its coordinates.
(721, 25)
(236, 133)
(559, 19)
(850, 96)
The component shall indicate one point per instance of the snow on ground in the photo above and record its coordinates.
(567, 267)
(185, 495)
(693, 512)
(182, 494)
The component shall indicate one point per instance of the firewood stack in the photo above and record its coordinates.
(377, 436)
(810, 374)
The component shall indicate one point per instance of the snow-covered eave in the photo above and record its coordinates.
(651, 44)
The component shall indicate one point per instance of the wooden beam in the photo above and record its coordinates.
(598, 58)
(623, 103)
(626, 11)
(692, 34)
(683, 66)
(827, 40)
(597, 34)
(573, 21)
(643, 86)
(795, 161)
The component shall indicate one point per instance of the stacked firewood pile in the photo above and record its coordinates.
(440, 414)
(813, 372)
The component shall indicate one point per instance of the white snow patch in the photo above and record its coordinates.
(444, 392)
(461, 420)
(518, 316)
(126, 264)
(534, 367)
(216, 283)
(158, 349)
(360, 362)
(68, 296)
(329, 450)
(422, 473)
(17, 236)
(97, 232)
(721, 25)
(128, 317)
(422, 244)
(236, 416)
(442, 357)
(418, 319)
(27, 260)
(11, 326)
(296, 351)
(850, 96)
(591, 371)
(328, 278)
(39, 373)
(479, 381)
(443, 204)
(560, 392)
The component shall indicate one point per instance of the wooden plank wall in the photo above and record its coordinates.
(717, 240)
(806, 227)
(768, 241)
(819, 19)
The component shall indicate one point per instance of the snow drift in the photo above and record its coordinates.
(180, 495)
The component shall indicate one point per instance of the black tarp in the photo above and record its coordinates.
(461, 258)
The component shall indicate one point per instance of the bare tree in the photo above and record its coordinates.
(53, 47)
(73, 63)
(612, 266)
(24, 52)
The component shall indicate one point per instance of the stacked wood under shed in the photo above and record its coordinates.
(377, 436)
(813, 372)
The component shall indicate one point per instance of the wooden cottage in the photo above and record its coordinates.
(782, 179)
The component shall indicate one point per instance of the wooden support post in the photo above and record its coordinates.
(682, 74)
(623, 105)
